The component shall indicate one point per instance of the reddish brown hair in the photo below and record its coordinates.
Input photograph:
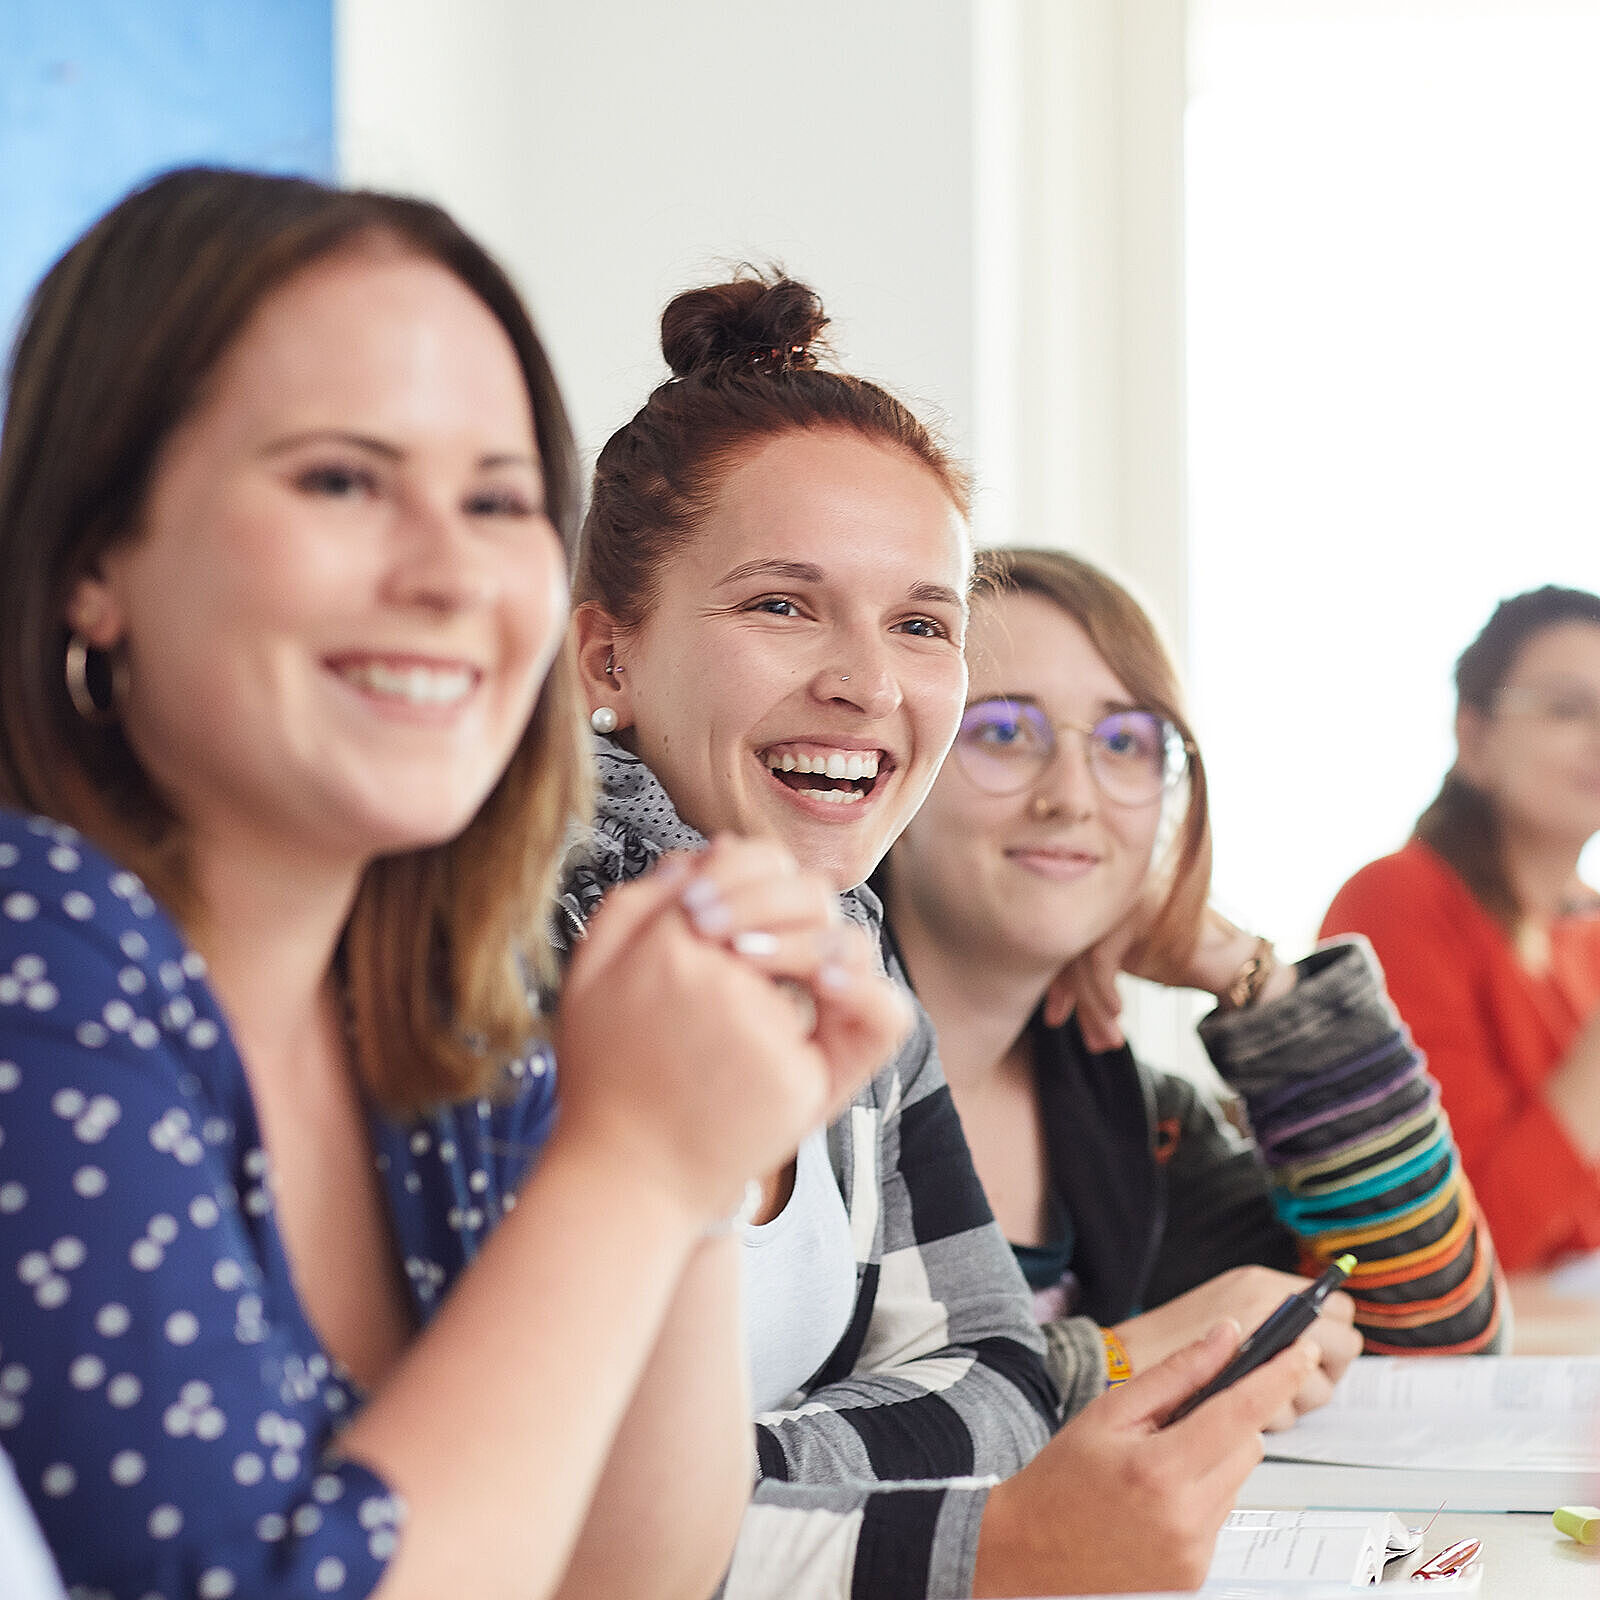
(744, 366)
(114, 352)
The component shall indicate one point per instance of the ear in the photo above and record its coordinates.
(600, 642)
(1472, 734)
(94, 611)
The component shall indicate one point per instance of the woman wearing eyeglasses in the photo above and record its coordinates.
(1489, 938)
(1065, 840)
(772, 592)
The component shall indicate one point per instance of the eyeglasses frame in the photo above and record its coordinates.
(1172, 737)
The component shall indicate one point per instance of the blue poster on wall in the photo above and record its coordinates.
(96, 95)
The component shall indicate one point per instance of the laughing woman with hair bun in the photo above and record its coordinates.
(773, 594)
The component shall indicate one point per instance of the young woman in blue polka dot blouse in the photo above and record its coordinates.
(288, 746)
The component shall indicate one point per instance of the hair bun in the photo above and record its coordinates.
(753, 319)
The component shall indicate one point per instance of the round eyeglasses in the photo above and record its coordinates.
(1004, 746)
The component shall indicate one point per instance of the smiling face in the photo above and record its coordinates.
(801, 674)
(343, 592)
(1537, 755)
(1027, 880)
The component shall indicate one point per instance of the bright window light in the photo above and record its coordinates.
(1393, 237)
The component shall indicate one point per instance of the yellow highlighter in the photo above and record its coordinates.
(1579, 1522)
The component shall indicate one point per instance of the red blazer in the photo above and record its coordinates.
(1492, 1032)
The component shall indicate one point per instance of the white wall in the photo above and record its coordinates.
(1394, 339)
(613, 152)
(1080, 289)
(987, 194)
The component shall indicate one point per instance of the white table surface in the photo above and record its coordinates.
(1524, 1558)
(1550, 1317)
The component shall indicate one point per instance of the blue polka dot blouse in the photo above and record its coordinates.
(169, 1409)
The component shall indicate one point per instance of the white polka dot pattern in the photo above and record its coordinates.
(161, 1390)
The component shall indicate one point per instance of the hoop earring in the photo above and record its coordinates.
(78, 690)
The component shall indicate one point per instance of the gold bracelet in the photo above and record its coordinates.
(1252, 977)
(1118, 1367)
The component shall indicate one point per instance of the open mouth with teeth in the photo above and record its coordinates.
(840, 777)
(414, 685)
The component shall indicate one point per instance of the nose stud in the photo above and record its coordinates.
(845, 678)
(1042, 807)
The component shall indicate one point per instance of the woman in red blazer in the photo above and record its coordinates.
(1489, 939)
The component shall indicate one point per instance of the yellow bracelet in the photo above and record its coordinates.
(1118, 1367)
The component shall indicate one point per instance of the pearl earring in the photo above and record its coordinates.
(603, 719)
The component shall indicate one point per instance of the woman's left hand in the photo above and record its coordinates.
(1087, 985)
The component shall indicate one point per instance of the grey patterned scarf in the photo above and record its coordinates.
(635, 825)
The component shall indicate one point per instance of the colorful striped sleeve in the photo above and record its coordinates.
(1348, 1123)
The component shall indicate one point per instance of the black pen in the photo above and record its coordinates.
(1278, 1332)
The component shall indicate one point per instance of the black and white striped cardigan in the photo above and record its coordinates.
(872, 1482)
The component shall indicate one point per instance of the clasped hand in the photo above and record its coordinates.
(719, 1009)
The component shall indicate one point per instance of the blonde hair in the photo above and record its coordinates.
(1122, 632)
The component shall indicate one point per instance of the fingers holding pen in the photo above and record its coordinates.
(1048, 1522)
(1338, 1342)
(1214, 1449)
(1223, 1434)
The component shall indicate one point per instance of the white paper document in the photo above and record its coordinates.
(1285, 1549)
(1506, 1433)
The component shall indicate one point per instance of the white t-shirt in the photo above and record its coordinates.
(798, 1274)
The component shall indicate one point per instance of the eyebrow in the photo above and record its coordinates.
(794, 571)
(937, 594)
(809, 572)
(1107, 708)
(381, 447)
